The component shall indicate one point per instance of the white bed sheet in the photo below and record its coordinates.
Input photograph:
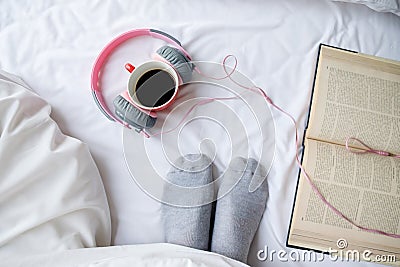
(52, 45)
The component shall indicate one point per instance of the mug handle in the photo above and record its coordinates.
(129, 67)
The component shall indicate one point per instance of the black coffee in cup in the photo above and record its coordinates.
(155, 88)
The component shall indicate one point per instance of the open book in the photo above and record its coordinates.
(354, 95)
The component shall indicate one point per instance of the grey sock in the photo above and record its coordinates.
(239, 212)
(188, 226)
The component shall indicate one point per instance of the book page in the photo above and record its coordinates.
(356, 95)
(365, 188)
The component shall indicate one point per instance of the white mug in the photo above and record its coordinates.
(152, 85)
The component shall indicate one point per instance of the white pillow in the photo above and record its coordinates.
(392, 6)
(51, 194)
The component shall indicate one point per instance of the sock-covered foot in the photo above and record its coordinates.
(239, 212)
(188, 223)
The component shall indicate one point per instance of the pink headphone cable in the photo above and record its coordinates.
(306, 175)
(201, 102)
(368, 149)
(297, 143)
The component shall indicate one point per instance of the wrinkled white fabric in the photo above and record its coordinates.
(154, 255)
(52, 45)
(53, 207)
(51, 194)
(392, 6)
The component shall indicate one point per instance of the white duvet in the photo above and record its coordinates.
(51, 194)
(53, 207)
(154, 255)
(52, 44)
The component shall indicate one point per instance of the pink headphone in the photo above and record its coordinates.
(126, 112)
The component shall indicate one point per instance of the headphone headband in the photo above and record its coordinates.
(109, 48)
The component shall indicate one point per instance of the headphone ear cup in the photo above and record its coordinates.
(178, 60)
(128, 113)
